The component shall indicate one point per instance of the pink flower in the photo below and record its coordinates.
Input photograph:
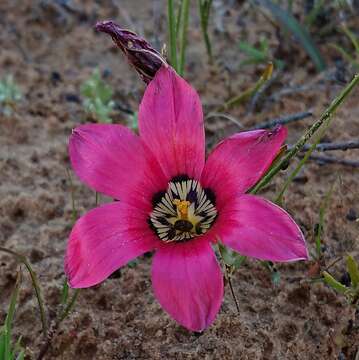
(174, 202)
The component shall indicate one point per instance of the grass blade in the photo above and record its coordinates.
(291, 24)
(204, 11)
(325, 117)
(322, 210)
(302, 162)
(353, 271)
(35, 284)
(183, 36)
(334, 284)
(172, 33)
(245, 95)
(352, 38)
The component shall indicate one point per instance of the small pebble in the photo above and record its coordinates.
(352, 215)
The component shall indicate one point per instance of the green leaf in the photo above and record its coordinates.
(230, 257)
(255, 54)
(2, 343)
(10, 315)
(334, 284)
(353, 271)
(291, 24)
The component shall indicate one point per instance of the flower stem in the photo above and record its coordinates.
(35, 284)
(172, 33)
(183, 36)
(204, 11)
(69, 305)
(325, 117)
(228, 277)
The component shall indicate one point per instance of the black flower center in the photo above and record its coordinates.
(183, 211)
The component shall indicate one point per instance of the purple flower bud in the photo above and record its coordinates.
(140, 54)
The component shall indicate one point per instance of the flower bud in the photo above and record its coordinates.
(140, 54)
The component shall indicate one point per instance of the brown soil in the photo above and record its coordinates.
(51, 49)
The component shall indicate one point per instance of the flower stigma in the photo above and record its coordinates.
(185, 210)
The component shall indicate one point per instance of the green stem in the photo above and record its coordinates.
(294, 173)
(69, 305)
(74, 211)
(35, 284)
(228, 276)
(183, 36)
(173, 33)
(308, 134)
(204, 10)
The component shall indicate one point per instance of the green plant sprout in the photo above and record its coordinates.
(8, 351)
(290, 24)
(10, 94)
(258, 55)
(352, 57)
(98, 97)
(321, 123)
(351, 292)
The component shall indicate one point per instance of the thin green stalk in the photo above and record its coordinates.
(69, 305)
(179, 18)
(352, 38)
(344, 53)
(10, 315)
(72, 189)
(322, 210)
(204, 10)
(35, 284)
(65, 293)
(306, 136)
(228, 277)
(183, 36)
(172, 33)
(305, 158)
(248, 93)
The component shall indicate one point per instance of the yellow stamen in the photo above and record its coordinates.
(182, 207)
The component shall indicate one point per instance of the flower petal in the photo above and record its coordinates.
(171, 124)
(112, 159)
(238, 162)
(258, 228)
(105, 239)
(188, 282)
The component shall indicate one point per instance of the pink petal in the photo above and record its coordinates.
(171, 124)
(112, 160)
(188, 283)
(105, 239)
(258, 228)
(238, 162)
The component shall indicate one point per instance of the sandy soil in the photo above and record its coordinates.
(51, 50)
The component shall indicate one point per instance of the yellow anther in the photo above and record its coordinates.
(182, 207)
